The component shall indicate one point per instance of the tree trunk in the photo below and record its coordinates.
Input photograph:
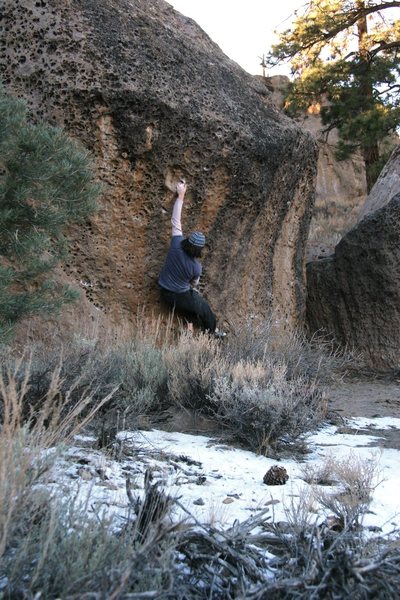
(371, 151)
(371, 159)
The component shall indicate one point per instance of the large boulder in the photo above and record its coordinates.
(153, 98)
(355, 293)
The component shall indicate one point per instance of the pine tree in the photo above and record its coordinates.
(347, 52)
(45, 183)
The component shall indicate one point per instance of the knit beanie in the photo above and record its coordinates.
(197, 239)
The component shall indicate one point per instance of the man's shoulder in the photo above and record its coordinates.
(176, 241)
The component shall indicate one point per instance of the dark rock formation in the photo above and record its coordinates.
(154, 98)
(355, 293)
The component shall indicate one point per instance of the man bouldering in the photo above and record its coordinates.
(182, 270)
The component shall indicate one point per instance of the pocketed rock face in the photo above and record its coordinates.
(355, 293)
(154, 99)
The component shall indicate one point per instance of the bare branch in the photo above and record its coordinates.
(384, 46)
(387, 90)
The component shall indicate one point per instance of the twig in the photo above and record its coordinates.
(128, 485)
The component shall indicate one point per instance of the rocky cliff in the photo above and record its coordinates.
(337, 181)
(153, 98)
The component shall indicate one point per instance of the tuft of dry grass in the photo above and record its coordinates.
(27, 432)
(60, 550)
(193, 364)
(315, 358)
(355, 479)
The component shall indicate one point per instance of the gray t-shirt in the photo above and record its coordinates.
(179, 268)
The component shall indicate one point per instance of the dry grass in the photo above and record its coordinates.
(193, 364)
(317, 358)
(52, 548)
(355, 479)
(61, 551)
(322, 473)
(267, 391)
(27, 432)
(260, 387)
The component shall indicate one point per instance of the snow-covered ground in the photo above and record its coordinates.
(219, 484)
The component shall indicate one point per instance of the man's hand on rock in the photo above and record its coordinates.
(181, 189)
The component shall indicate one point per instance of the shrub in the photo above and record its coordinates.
(261, 389)
(45, 183)
(133, 372)
(194, 364)
(355, 478)
(263, 409)
(143, 377)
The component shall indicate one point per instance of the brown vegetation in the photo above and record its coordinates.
(54, 548)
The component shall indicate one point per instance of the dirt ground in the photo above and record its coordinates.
(369, 399)
(350, 398)
(365, 398)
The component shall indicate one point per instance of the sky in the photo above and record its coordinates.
(243, 29)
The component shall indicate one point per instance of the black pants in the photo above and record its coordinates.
(193, 306)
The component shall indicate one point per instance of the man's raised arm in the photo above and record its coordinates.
(177, 210)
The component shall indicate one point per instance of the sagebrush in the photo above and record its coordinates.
(263, 389)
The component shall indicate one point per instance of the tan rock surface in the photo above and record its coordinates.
(154, 98)
(386, 186)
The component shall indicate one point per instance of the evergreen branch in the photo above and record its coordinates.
(45, 184)
(359, 80)
(333, 24)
